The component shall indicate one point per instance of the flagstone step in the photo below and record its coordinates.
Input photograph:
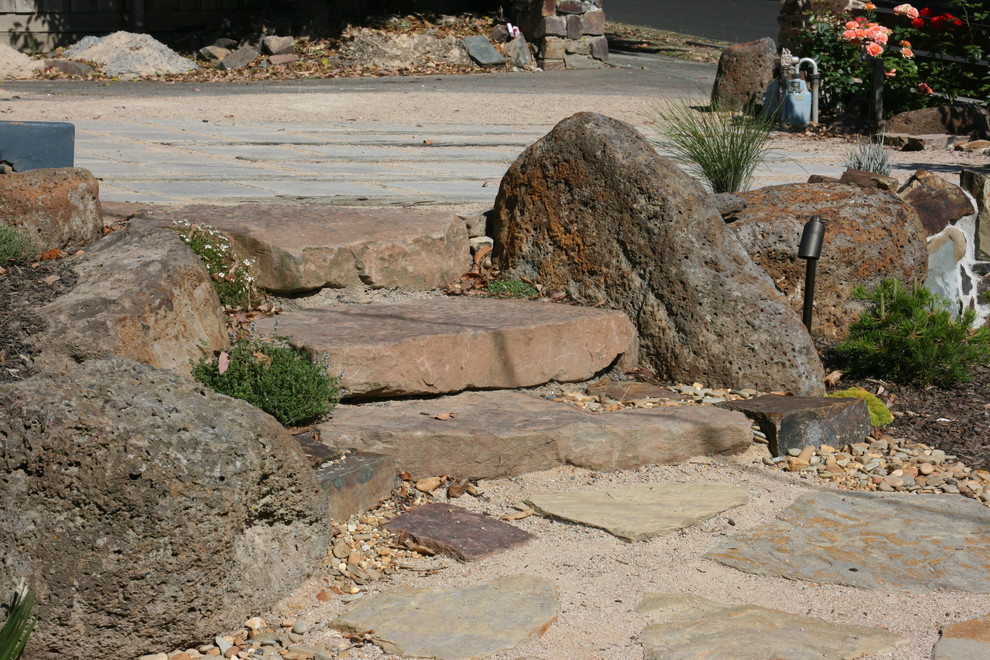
(301, 248)
(443, 345)
(504, 433)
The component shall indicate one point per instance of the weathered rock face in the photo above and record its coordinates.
(148, 512)
(956, 119)
(938, 202)
(744, 71)
(141, 294)
(870, 234)
(60, 206)
(593, 209)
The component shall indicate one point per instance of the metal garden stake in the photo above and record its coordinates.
(810, 250)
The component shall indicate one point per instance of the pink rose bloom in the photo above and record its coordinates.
(879, 37)
(851, 25)
(891, 73)
(849, 35)
(907, 52)
(874, 50)
(925, 89)
(906, 10)
(861, 34)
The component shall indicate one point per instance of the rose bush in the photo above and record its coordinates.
(846, 48)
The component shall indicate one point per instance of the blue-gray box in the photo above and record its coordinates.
(32, 145)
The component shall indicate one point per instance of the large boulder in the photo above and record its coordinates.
(591, 208)
(956, 119)
(938, 202)
(140, 294)
(60, 207)
(744, 71)
(148, 512)
(870, 235)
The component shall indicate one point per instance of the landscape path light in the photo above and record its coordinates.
(810, 250)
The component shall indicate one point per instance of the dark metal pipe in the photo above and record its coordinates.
(809, 292)
(810, 250)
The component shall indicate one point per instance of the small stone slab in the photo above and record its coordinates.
(457, 623)
(239, 59)
(794, 422)
(871, 540)
(457, 532)
(480, 50)
(301, 248)
(451, 344)
(701, 628)
(503, 433)
(966, 640)
(31, 145)
(642, 511)
(357, 483)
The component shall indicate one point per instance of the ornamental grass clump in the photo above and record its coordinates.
(723, 148)
(231, 276)
(16, 245)
(910, 336)
(870, 156)
(272, 375)
(19, 624)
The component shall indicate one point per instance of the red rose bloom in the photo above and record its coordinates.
(925, 12)
(938, 21)
(918, 23)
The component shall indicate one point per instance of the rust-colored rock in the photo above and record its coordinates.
(938, 202)
(140, 294)
(868, 180)
(301, 248)
(504, 433)
(744, 71)
(870, 234)
(59, 206)
(593, 209)
(451, 344)
(957, 119)
(457, 532)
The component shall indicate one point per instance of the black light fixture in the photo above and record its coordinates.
(811, 250)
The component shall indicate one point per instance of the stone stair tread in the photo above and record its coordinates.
(443, 345)
(502, 433)
(300, 248)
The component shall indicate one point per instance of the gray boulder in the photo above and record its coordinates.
(592, 209)
(744, 71)
(140, 294)
(147, 512)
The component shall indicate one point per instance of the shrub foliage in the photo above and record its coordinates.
(273, 376)
(910, 336)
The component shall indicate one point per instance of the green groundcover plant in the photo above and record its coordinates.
(721, 147)
(272, 375)
(846, 46)
(910, 336)
(16, 245)
(511, 289)
(19, 624)
(231, 276)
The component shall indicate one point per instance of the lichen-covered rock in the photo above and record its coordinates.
(140, 294)
(870, 234)
(60, 206)
(591, 208)
(744, 71)
(147, 512)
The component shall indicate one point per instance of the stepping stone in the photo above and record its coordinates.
(966, 640)
(504, 433)
(642, 511)
(457, 623)
(701, 628)
(871, 540)
(451, 344)
(793, 422)
(302, 248)
(457, 532)
(357, 483)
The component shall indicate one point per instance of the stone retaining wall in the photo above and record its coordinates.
(567, 34)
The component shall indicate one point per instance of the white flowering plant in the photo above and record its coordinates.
(231, 275)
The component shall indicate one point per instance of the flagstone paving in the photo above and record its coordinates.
(456, 623)
(456, 532)
(871, 540)
(701, 628)
(966, 640)
(641, 511)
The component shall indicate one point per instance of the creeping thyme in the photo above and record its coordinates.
(231, 275)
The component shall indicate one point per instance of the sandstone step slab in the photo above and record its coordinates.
(442, 345)
(504, 433)
(641, 511)
(302, 248)
(793, 422)
(701, 628)
(456, 532)
(965, 640)
(889, 542)
(455, 623)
